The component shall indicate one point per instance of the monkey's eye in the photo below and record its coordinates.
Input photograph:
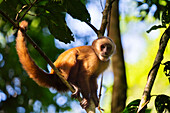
(109, 47)
(102, 47)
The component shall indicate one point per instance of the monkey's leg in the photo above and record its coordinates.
(84, 85)
(93, 88)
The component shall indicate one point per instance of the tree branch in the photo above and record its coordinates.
(11, 21)
(105, 16)
(153, 72)
(94, 29)
(104, 19)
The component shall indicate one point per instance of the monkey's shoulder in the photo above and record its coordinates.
(84, 52)
(71, 57)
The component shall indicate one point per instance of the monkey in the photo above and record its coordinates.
(80, 66)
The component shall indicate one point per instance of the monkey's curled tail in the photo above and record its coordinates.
(38, 75)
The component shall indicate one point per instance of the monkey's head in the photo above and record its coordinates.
(104, 47)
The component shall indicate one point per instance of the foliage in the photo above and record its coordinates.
(132, 107)
(167, 69)
(17, 90)
(162, 102)
(162, 12)
(52, 14)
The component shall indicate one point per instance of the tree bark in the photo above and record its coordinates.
(120, 84)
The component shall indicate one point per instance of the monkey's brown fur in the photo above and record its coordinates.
(80, 66)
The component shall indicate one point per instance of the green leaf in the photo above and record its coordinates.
(165, 17)
(9, 7)
(54, 7)
(54, 14)
(55, 11)
(167, 69)
(77, 10)
(132, 106)
(62, 33)
(134, 103)
(140, 3)
(58, 28)
(162, 102)
(155, 27)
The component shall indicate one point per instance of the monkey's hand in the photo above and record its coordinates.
(84, 103)
(76, 93)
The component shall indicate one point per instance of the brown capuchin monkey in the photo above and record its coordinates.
(80, 66)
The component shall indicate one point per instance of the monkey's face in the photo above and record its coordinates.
(104, 48)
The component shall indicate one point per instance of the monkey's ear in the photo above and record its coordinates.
(114, 49)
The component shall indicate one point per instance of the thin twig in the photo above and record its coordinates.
(33, 14)
(105, 16)
(104, 19)
(32, 4)
(101, 4)
(11, 21)
(20, 11)
(94, 28)
(152, 74)
(100, 91)
(26, 2)
(109, 17)
(145, 104)
(101, 83)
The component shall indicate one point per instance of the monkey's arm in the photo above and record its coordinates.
(37, 74)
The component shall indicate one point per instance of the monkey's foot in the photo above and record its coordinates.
(76, 93)
(84, 103)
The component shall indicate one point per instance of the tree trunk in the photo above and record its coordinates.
(120, 84)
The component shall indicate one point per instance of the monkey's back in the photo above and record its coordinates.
(68, 59)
